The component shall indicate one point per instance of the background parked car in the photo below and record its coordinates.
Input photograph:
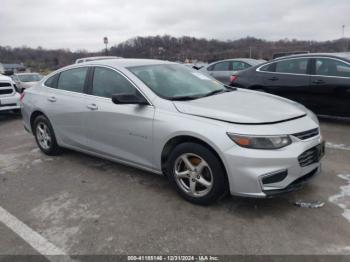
(26, 80)
(94, 58)
(222, 70)
(9, 97)
(321, 82)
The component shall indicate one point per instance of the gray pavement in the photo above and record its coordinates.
(85, 205)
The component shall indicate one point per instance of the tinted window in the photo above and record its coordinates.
(293, 66)
(268, 68)
(223, 66)
(331, 67)
(238, 65)
(73, 80)
(52, 81)
(108, 82)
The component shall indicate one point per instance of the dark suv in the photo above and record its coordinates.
(321, 82)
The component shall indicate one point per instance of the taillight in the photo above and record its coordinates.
(21, 97)
(233, 78)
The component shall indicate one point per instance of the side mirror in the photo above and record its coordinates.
(129, 99)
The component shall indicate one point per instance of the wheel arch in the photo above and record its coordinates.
(185, 138)
(33, 116)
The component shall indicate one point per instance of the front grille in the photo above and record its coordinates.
(6, 91)
(307, 134)
(311, 156)
(4, 84)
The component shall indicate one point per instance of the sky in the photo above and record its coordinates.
(82, 24)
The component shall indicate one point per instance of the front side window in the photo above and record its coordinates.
(331, 67)
(108, 82)
(223, 66)
(292, 66)
(73, 80)
(172, 81)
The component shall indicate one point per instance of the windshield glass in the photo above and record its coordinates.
(29, 78)
(172, 81)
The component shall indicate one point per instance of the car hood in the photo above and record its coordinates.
(243, 107)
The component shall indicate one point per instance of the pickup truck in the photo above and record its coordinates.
(9, 96)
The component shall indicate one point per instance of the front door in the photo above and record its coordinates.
(120, 131)
(330, 86)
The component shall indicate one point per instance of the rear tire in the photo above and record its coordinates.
(197, 174)
(45, 136)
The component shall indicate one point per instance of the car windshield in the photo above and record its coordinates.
(173, 81)
(29, 78)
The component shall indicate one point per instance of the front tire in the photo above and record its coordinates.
(45, 136)
(197, 174)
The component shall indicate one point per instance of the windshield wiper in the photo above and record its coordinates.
(231, 88)
(214, 92)
(183, 98)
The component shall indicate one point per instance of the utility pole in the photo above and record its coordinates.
(343, 31)
(250, 52)
(105, 41)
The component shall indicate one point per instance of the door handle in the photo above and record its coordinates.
(52, 99)
(273, 78)
(318, 82)
(92, 107)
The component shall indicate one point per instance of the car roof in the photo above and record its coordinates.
(125, 62)
(96, 57)
(248, 60)
(344, 55)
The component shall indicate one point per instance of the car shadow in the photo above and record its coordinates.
(243, 207)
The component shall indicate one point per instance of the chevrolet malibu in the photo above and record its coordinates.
(207, 138)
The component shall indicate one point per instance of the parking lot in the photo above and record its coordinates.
(85, 205)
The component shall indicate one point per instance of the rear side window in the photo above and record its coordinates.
(52, 81)
(73, 80)
(238, 65)
(292, 66)
(108, 82)
(268, 68)
(331, 67)
(223, 66)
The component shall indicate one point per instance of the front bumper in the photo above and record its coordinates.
(10, 102)
(247, 169)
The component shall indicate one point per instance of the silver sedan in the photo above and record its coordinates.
(207, 138)
(224, 69)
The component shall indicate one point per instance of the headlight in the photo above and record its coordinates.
(261, 142)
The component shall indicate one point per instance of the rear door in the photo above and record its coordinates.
(330, 87)
(221, 71)
(66, 106)
(288, 78)
(115, 130)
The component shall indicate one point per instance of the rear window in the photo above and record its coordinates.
(52, 81)
(292, 66)
(268, 68)
(73, 80)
